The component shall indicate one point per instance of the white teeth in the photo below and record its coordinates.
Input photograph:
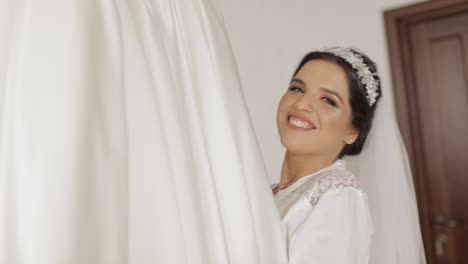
(299, 123)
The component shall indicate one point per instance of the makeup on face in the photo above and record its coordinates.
(314, 113)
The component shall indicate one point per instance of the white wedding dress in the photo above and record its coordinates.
(124, 138)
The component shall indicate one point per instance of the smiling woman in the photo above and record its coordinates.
(325, 114)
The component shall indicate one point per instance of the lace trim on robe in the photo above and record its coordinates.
(333, 180)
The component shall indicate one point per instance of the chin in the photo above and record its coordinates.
(295, 146)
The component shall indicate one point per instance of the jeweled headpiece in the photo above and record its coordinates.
(364, 73)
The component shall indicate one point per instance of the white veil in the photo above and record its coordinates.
(383, 169)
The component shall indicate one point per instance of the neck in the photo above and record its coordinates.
(297, 166)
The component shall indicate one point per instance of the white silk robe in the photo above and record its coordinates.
(326, 218)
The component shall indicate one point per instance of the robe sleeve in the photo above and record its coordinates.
(338, 230)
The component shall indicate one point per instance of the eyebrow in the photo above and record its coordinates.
(295, 79)
(332, 92)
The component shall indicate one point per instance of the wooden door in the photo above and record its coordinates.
(435, 117)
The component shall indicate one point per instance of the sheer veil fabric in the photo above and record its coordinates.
(384, 171)
(124, 138)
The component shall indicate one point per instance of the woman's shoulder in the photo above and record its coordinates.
(334, 179)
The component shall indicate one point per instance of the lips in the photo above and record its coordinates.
(298, 122)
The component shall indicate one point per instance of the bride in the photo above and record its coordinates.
(325, 114)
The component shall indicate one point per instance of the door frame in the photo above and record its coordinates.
(397, 23)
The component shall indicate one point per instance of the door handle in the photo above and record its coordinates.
(439, 244)
(442, 238)
(442, 221)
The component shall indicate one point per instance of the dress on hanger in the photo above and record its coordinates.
(125, 138)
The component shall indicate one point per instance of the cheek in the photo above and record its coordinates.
(284, 102)
(335, 123)
(279, 113)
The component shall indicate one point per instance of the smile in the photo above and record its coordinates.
(299, 123)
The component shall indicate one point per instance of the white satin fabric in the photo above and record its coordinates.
(124, 138)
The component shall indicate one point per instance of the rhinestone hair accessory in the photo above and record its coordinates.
(364, 73)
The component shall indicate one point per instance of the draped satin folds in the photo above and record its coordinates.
(124, 138)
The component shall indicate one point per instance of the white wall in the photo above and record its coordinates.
(270, 37)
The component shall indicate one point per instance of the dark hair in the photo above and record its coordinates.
(362, 112)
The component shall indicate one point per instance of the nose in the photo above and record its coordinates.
(305, 103)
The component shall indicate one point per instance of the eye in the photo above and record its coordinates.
(296, 89)
(329, 101)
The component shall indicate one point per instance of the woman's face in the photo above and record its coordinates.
(314, 114)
